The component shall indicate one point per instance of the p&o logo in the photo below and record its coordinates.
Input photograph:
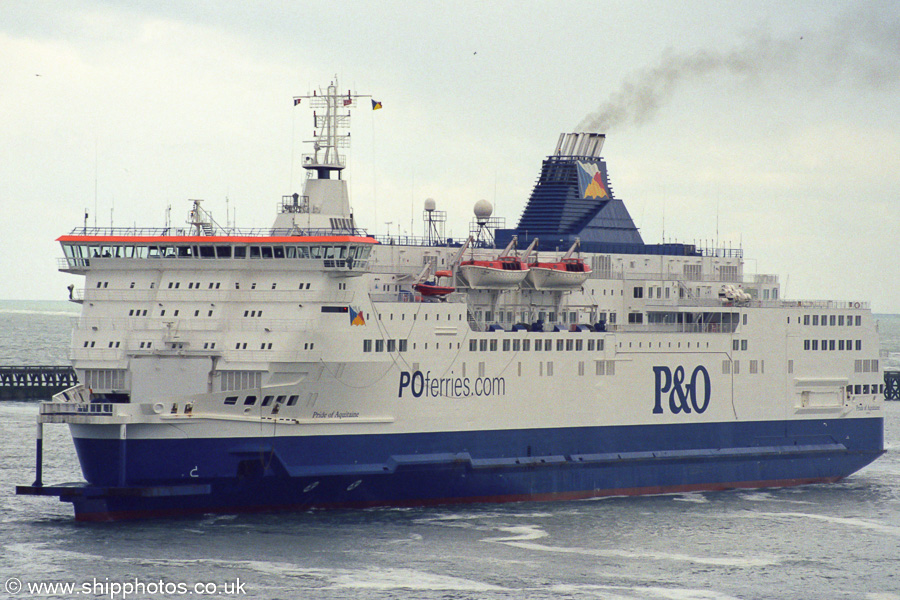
(683, 396)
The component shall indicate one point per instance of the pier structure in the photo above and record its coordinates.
(892, 385)
(35, 382)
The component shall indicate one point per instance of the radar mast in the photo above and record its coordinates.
(331, 122)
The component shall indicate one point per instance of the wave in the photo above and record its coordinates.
(851, 522)
(524, 536)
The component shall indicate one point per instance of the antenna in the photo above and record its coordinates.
(717, 221)
(485, 224)
(483, 211)
(96, 143)
(435, 222)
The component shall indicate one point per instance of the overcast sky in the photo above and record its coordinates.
(773, 126)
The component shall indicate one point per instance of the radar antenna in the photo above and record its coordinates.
(434, 220)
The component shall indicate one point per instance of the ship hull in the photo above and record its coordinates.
(299, 472)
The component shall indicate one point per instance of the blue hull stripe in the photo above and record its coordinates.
(254, 474)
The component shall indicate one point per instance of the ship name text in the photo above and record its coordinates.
(682, 396)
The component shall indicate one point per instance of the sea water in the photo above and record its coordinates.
(838, 541)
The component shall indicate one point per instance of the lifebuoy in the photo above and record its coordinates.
(856, 305)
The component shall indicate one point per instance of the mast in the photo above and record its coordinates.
(331, 120)
(324, 205)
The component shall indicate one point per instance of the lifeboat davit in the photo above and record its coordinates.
(503, 272)
(565, 274)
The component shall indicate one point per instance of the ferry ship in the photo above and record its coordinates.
(313, 365)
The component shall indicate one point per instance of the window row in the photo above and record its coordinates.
(757, 367)
(512, 317)
(832, 320)
(602, 368)
(525, 345)
(391, 345)
(137, 312)
(415, 316)
(85, 251)
(93, 344)
(865, 388)
(832, 345)
(866, 365)
(104, 379)
(192, 285)
(272, 400)
(668, 345)
(263, 346)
